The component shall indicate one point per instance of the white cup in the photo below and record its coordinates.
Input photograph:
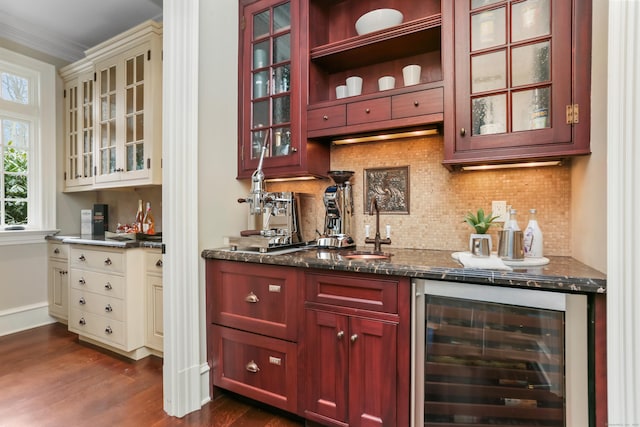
(354, 85)
(341, 91)
(411, 74)
(386, 82)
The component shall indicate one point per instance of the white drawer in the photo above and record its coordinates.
(111, 261)
(101, 283)
(59, 251)
(112, 308)
(97, 327)
(153, 262)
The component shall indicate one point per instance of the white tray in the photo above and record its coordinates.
(526, 262)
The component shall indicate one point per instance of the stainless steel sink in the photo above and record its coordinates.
(366, 255)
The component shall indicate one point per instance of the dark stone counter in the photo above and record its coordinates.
(563, 274)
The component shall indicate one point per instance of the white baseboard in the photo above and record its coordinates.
(26, 317)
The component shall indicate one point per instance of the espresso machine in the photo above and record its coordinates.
(273, 216)
(338, 203)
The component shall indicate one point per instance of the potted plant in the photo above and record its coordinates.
(480, 241)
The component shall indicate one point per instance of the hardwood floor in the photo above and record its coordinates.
(49, 379)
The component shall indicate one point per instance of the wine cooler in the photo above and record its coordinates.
(493, 356)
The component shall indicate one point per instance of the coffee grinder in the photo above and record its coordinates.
(338, 202)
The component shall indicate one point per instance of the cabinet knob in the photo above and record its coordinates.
(463, 131)
(108, 261)
(354, 337)
(108, 308)
(82, 281)
(416, 103)
(367, 110)
(252, 298)
(252, 367)
(294, 150)
(108, 330)
(78, 176)
(108, 286)
(56, 251)
(82, 301)
(340, 335)
(82, 321)
(82, 258)
(325, 117)
(159, 263)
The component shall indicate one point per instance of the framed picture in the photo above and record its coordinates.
(390, 186)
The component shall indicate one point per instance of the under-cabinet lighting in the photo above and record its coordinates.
(297, 178)
(386, 136)
(512, 165)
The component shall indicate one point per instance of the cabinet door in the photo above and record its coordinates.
(58, 289)
(515, 80)
(271, 93)
(327, 366)
(372, 372)
(154, 327)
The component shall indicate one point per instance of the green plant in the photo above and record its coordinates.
(480, 222)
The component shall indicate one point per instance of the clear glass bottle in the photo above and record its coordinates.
(148, 223)
(533, 237)
(512, 224)
(139, 218)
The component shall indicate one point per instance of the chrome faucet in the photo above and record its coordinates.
(377, 241)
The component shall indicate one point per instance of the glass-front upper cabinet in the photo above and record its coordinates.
(514, 79)
(271, 111)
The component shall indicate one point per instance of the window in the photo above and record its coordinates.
(27, 147)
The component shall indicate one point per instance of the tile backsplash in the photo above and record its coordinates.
(439, 199)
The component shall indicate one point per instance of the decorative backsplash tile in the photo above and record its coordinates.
(439, 199)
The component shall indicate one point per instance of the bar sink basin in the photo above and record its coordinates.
(366, 255)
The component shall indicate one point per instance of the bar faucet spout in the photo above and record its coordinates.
(377, 241)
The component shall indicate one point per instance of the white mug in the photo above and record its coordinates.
(411, 74)
(341, 91)
(354, 85)
(386, 82)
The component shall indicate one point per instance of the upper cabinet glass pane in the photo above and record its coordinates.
(531, 18)
(488, 29)
(260, 55)
(281, 17)
(480, 3)
(261, 24)
(489, 71)
(282, 48)
(531, 64)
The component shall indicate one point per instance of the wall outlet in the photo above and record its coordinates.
(499, 208)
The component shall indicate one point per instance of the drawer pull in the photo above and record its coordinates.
(340, 335)
(108, 286)
(108, 330)
(82, 281)
(252, 298)
(108, 308)
(354, 337)
(416, 103)
(159, 263)
(56, 251)
(108, 261)
(325, 117)
(252, 367)
(82, 258)
(82, 321)
(367, 110)
(82, 301)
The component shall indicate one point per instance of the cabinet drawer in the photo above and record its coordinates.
(261, 368)
(373, 110)
(108, 307)
(325, 118)
(420, 103)
(153, 262)
(58, 251)
(103, 260)
(357, 291)
(97, 327)
(101, 283)
(257, 298)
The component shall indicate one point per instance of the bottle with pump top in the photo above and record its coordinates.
(148, 223)
(139, 218)
(533, 237)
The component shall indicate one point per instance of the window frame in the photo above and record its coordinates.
(41, 113)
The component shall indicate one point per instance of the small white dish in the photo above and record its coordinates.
(378, 19)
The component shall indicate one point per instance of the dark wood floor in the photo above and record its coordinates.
(49, 379)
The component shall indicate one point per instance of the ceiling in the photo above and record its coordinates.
(66, 28)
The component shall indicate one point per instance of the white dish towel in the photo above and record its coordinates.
(468, 260)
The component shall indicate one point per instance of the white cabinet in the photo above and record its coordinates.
(154, 335)
(114, 135)
(107, 298)
(58, 281)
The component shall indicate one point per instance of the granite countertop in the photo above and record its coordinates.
(104, 241)
(563, 274)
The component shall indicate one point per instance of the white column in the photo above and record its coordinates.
(623, 211)
(180, 208)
